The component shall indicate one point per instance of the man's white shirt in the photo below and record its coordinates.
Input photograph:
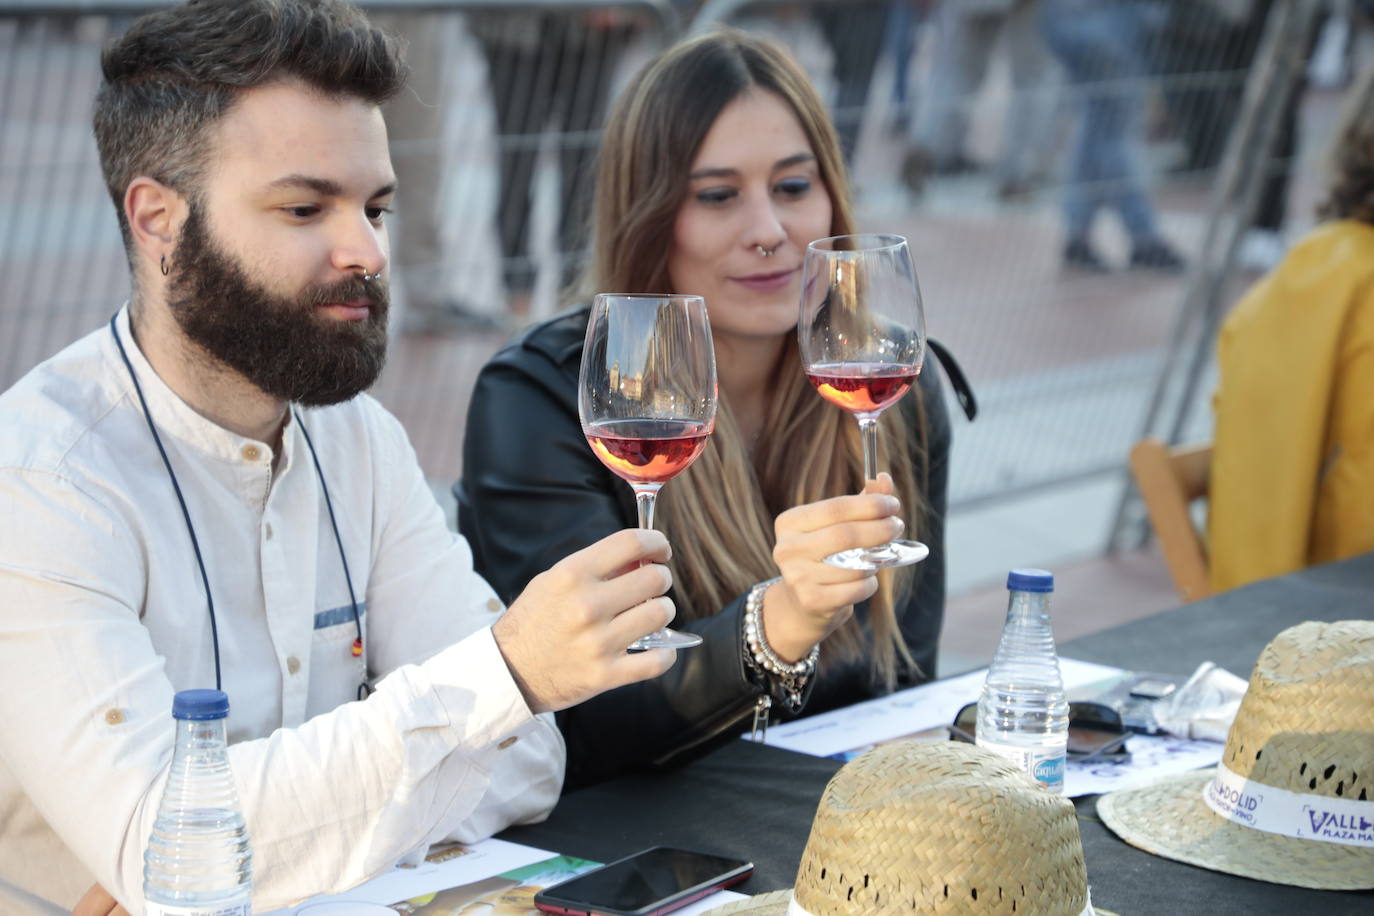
(103, 617)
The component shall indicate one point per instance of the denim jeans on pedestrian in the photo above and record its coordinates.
(1098, 44)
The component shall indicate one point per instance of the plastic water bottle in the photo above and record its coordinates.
(1022, 713)
(198, 861)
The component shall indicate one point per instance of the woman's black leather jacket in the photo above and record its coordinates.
(532, 492)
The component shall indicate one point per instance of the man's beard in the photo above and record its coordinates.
(280, 344)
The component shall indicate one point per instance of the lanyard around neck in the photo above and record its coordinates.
(191, 528)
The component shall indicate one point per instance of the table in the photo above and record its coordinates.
(757, 802)
(1233, 627)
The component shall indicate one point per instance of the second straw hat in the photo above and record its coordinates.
(1292, 801)
(934, 828)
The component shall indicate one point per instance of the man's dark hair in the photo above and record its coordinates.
(176, 71)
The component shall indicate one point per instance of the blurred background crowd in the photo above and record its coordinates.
(1087, 185)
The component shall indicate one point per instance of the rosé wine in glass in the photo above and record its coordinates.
(862, 335)
(861, 387)
(647, 399)
(647, 451)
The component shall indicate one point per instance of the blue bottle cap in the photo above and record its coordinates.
(1030, 580)
(200, 704)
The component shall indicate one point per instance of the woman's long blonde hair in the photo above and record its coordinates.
(719, 514)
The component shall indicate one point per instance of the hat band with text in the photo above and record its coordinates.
(1290, 814)
(796, 909)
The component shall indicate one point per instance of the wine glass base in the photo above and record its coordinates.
(867, 559)
(665, 639)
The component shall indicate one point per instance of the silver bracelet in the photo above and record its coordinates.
(793, 676)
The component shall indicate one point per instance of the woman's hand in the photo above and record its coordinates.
(814, 598)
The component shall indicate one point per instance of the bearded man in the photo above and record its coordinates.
(198, 494)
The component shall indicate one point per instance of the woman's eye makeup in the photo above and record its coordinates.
(715, 195)
(791, 187)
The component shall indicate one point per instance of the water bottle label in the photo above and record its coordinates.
(1043, 764)
(241, 908)
(1048, 770)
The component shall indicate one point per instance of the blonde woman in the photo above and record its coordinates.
(719, 165)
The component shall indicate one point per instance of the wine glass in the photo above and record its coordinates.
(647, 399)
(862, 333)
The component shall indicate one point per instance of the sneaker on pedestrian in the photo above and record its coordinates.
(1015, 190)
(916, 167)
(921, 164)
(1157, 254)
(1079, 255)
(955, 165)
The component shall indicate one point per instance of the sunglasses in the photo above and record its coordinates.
(1095, 731)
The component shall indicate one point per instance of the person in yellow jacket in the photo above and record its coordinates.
(1292, 479)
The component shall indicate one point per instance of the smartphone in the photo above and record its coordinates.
(1149, 688)
(658, 880)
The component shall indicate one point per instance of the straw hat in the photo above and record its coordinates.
(934, 828)
(1293, 799)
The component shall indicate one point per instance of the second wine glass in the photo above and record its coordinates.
(862, 335)
(647, 399)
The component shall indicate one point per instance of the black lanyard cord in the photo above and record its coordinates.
(185, 512)
(338, 539)
(195, 542)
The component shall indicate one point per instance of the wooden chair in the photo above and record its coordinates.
(1170, 479)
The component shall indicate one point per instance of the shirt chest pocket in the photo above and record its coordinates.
(335, 672)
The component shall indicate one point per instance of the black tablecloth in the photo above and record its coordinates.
(1232, 628)
(756, 802)
(745, 800)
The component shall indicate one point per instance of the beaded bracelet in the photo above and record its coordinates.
(793, 676)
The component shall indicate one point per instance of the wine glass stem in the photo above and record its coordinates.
(868, 432)
(644, 501)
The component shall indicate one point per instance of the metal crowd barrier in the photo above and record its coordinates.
(1252, 174)
(966, 135)
(493, 143)
(960, 125)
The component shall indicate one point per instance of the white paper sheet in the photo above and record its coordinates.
(906, 712)
(480, 860)
(923, 712)
(719, 898)
(1152, 758)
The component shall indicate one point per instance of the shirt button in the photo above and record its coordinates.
(114, 716)
(508, 742)
(251, 453)
(267, 531)
(493, 605)
(293, 664)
